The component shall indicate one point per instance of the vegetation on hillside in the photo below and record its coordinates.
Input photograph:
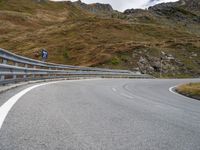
(75, 36)
(191, 90)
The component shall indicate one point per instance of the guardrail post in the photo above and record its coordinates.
(49, 73)
(56, 72)
(15, 76)
(34, 67)
(26, 66)
(4, 61)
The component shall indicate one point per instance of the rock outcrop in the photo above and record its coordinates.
(185, 11)
(96, 8)
(133, 11)
(192, 5)
(166, 64)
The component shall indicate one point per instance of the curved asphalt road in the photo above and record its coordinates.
(104, 114)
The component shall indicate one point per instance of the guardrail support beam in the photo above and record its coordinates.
(34, 67)
(49, 75)
(15, 76)
(2, 77)
(26, 66)
(4, 61)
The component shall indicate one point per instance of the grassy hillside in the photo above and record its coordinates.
(73, 36)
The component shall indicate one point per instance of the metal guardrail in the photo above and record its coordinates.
(15, 68)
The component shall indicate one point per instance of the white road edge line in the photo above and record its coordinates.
(172, 91)
(7, 106)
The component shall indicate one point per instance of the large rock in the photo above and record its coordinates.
(167, 65)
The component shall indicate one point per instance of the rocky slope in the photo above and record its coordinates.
(81, 35)
(185, 11)
(191, 5)
(180, 11)
(96, 8)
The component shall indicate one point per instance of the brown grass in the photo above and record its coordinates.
(190, 90)
(75, 37)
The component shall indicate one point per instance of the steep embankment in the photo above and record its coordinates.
(74, 35)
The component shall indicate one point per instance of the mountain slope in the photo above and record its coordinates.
(73, 35)
(191, 5)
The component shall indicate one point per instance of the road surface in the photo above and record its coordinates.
(102, 114)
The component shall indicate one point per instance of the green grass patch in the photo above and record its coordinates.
(115, 61)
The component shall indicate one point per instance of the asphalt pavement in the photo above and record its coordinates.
(102, 114)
